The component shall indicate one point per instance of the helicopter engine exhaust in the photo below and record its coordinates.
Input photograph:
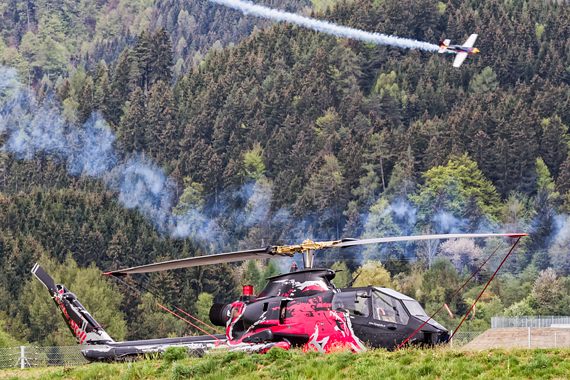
(220, 313)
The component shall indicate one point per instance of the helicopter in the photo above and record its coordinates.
(302, 308)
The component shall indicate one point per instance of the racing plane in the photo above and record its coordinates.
(461, 50)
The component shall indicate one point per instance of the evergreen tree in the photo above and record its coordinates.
(270, 271)
(86, 104)
(132, 127)
(161, 57)
(160, 134)
(554, 144)
(140, 70)
(121, 84)
(326, 193)
(252, 276)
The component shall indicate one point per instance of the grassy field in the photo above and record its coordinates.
(443, 363)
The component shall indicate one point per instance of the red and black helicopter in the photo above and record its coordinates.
(301, 308)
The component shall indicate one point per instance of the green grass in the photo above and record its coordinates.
(441, 363)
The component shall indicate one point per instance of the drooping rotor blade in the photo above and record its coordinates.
(352, 243)
(288, 250)
(252, 254)
(44, 278)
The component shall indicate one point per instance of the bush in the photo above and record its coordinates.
(275, 353)
(172, 354)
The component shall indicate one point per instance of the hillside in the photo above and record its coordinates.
(282, 135)
(48, 38)
(427, 364)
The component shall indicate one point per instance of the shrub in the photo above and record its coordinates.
(172, 354)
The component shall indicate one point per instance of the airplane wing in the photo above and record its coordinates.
(459, 59)
(470, 41)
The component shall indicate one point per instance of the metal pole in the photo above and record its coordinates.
(451, 340)
(529, 337)
(22, 357)
(555, 339)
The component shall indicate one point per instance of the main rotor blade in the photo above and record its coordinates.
(419, 237)
(252, 254)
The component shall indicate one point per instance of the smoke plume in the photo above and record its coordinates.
(34, 127)
(247, 8)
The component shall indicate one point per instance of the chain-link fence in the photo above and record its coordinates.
(523, 337)
(539, 338)
(9, 357)
(531, 321)
(26, 357)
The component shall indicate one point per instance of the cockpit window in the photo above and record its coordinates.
(388, 309)
(415, 308)
(355, 303)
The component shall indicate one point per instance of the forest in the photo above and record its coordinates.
(262, 133)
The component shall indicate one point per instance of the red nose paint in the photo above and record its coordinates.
(247, 290)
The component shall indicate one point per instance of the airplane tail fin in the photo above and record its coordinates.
(443, 45)
(82, 325)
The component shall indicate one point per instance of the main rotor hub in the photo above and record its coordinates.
(307, 248)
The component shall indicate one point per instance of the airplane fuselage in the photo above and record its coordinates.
(462, 49)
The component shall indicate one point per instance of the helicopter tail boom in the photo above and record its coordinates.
(82, 325)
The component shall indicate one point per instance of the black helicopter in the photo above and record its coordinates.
(302, 308)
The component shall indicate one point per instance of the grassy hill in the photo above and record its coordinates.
(279, 364)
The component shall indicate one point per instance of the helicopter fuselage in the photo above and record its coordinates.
(305, 309)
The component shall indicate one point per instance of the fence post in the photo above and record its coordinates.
(22, 357)
(529, 337)
(555, 339)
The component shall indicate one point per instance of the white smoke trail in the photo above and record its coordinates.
(247, 7)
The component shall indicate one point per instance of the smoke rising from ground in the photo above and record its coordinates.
(88, 150)
(247, 8)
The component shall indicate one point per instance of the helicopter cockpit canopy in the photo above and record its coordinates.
(382, 304)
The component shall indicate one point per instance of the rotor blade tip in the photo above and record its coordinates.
(517, 235)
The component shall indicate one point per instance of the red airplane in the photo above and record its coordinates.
(461, 50)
